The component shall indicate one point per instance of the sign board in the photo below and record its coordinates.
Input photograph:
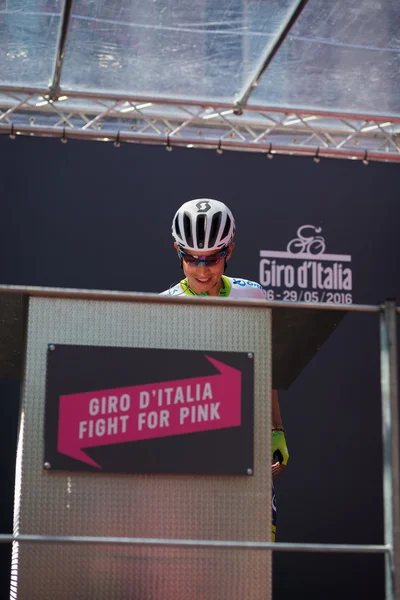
(134, 410)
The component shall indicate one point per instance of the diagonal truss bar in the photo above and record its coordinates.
(268, 56)
(8, 113)
(100, 116)
(60, 50)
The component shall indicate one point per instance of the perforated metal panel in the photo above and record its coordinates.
(159, 506)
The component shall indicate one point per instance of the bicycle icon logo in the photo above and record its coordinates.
(309, 244)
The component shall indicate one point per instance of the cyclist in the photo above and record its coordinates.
(203, 230)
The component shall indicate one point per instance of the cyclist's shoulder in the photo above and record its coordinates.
(245, 288)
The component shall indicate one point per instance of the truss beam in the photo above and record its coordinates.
(202, 125)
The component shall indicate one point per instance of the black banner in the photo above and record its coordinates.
(121, 218)
(133, 410)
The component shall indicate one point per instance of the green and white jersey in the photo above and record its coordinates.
(231, 287)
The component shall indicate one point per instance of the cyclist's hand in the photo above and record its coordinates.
(280, 452)
(277, 468)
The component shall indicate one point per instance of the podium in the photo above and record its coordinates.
(74, 337)
(179, 504)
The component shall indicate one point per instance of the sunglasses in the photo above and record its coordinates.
(207, 261)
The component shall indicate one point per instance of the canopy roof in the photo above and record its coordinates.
(292, 76)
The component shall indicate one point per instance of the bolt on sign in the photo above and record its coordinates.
(134, 410)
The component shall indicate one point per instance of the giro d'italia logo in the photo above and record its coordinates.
(305, 271)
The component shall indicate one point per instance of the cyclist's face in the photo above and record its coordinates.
(204, 278)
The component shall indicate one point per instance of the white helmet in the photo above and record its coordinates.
(203, 224)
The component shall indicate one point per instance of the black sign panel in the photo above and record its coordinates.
(133, 410)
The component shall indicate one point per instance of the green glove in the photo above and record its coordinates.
(279, 447)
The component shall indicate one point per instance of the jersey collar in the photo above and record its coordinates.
(224, 291)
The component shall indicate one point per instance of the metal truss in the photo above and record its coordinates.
(192, 124)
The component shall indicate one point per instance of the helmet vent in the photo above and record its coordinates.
(214, 229)
(177, 228)
(187, 228)
(201, 230)
(227, 226)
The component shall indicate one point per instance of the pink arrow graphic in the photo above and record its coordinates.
(153, 410)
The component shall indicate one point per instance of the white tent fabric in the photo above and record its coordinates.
(291, 76)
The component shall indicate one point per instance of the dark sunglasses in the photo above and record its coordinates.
(207, 261)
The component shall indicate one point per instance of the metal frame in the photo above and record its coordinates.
(117, 541)
(179, 123)
(60, 50)
(268, 57)
(54, 111)
(390, 437)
